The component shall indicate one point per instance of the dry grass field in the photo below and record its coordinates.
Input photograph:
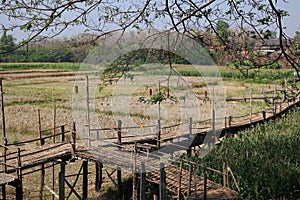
(26, 91)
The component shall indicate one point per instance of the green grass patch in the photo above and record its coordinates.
(20, 66)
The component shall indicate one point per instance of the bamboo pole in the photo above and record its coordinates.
(158, 134)
(42, 171)
(190, 181)
(99, 176)
(85, 180)
(119, 182)
(204, 185)
(62, 181)
(135, 187)
(119, 133)
(162, 182)
(53, 139)
(88, 122)
(250, 104)
(74, 138)
(19, 185)
(274, 101)
(179, 181)
(4, 167)
(2, 110)
(143, 182)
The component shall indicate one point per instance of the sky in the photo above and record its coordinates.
(292, 22)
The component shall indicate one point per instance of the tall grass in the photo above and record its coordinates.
(265, 160)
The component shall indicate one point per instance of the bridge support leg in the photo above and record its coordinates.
(99, 175)
(119, 182)
(3, 192)
(62, 181)
(19, 190)
(155, 191)
(85, 180)
(135, 186)
(162, 184)
(143, 182)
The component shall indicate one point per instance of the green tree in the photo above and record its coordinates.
(222, 31)
(6, 42)
(297, 42)
(6, 45)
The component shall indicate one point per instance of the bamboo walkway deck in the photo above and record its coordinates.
(214, 191)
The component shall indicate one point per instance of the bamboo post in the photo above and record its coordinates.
(189, 150)
(40, 128)
(62, 130)
(54, 122)
(19, 186)
(204, 185)
(74, 138)
(2, 110)
(98, 138)
(135, 187)
(179, 181)
(155, 191)
(158, 134)
(88, 110)
(143, 182)
(195, 183)
(190, 181)
(162, 182)
(230, 123)
(294, 102)
(274, 101)
(4, 154)
(119, 182)
(250, 104)
(4, 166)
(119, 132)
(42, 172)
(191, 126)
(99, 176)
(85, 180)
(53, 140)
(62, 181)
(135, 177)
(213, 120)
(264, 115)
(42, 181)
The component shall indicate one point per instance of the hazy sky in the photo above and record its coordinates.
(292, 22)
